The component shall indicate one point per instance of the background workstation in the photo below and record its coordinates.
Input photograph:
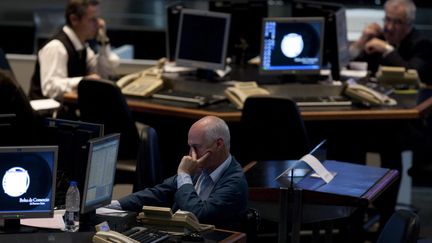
(140, 22)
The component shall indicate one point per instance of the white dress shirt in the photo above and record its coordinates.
(53, 59)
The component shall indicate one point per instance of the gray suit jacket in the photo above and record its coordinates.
(226, 206)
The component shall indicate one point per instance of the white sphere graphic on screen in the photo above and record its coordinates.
(292, 45)
(16, 181)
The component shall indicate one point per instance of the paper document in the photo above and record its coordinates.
(110, 211)
(44, 104)
(55, 222)
(314, 163)
(319, 169)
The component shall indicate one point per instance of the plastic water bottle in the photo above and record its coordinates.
(71, 217)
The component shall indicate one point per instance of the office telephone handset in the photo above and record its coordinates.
(242, 90)
(112, 236)
(143, 83)
(367, 95)
(397, 76)
(177, 222)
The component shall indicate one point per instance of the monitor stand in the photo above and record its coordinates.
(212, 75)
(89, 220)
(13, 226)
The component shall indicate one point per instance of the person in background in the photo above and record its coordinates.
(397, 43)
(66, 58)
(209, 183)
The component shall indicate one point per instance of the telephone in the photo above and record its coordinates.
(143, 83)
(241, 91)
(112, 236)
(177, 222)
(397, 76)
(367, 95)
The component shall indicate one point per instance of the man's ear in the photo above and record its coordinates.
(73, 18)
(219, 142)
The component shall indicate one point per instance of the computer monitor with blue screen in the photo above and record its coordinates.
(292, 45)
(202, 39)
(336, 44)
(100, 172)
(28, 176)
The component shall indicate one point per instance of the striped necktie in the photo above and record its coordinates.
(205, 185)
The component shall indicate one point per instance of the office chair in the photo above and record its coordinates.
(271, 129)
(101, 101)
(13, 100)
(402, 227)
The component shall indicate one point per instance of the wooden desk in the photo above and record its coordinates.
(406, 109)
(353, 186)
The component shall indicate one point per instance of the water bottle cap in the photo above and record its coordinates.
(72, 183)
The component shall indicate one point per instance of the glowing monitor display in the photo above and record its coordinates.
(28, 176)
(292, 45)
(100, 173)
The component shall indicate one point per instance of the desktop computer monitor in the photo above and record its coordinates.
(71, 138)
(202, 39)
(97, 185)
(291, 45)
(336, 45)
(28, 175)
(172, 24)
(245, 31)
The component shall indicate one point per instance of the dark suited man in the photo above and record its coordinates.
(65, 59)
(223, 202)
(398, 43)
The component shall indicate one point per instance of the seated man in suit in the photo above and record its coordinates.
(221, 199)
(398, 43)
(65, 59)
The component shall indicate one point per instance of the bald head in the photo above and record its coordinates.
(212, 128)
(210, 137)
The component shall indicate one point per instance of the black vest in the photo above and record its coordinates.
(76, 65)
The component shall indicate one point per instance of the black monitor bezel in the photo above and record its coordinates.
(292, 20)
(173, 12)
(334, 54)
(13, 215)
(95, 128)
(220, 65)
(91, 143)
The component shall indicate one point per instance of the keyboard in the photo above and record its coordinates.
(188, 97)
(146, 235)
(322, 101)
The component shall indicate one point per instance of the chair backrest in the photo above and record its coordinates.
(149, 169)
(272, 129)
(402, 227)
(101, 101)
(5, 66)
(24, 127)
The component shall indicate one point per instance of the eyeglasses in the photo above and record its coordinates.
(394, 21)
